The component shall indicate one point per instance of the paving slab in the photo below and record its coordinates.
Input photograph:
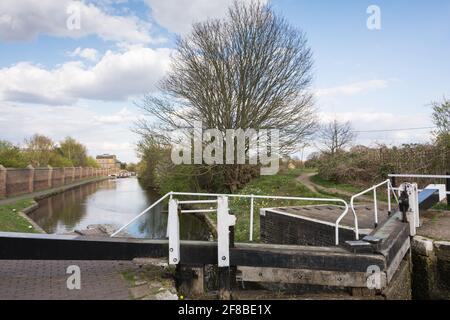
(436, 225)
(330, 213)
(47, 280)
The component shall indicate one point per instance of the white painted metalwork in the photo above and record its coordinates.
(199, 211)
(224, 222)
(352, 205)
(252, 213)
(346, 209)
(141, 214)
(173, 230)
(419, 176)
(198, 202)
(252, 198)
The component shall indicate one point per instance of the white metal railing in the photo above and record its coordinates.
(252, 199)
(374, 190)
(429, 176)
(421, 176)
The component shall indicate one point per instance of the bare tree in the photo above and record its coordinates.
(39, 149)
(249, 70)
(336, 135)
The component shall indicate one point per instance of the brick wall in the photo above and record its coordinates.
(20, 181)
(285, 230)
(78, 173)
(41, 180)
(2, 182)
(69, 175)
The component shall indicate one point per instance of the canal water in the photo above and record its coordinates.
(113, 202)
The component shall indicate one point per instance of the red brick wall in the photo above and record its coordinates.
(19, 181)
(2, 182)
(42, 179)
(57, 177)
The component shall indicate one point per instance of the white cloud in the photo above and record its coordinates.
(82, 123)
(124, 115)
(177, 16)
(353, 88)
(116, 76)
(86, 53)
(27, 19)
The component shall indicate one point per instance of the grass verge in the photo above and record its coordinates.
(339, 186)
(283, 184)
(442, 207)
(10, 219)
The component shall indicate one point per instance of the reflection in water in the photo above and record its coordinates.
(112, 202)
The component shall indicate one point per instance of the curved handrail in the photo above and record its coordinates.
(338, 221)
(352, 206)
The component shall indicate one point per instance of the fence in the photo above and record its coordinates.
(20, 181)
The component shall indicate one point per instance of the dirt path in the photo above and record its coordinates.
(305, 179)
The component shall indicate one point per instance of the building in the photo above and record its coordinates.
(109, 161)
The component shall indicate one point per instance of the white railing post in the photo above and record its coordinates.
(252, 200)
(224, 222)
(173, 230)
(375, 206)
(416, 205)
(389, 198)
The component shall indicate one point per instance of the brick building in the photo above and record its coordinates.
(109, 161)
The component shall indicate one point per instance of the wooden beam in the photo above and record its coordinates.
(50, 247)
(307, 277)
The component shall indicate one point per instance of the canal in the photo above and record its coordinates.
(112, 202)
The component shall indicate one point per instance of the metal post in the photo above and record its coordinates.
(447, 183)
(173, 227)
(251, 216)
(389, 199)
(224, 222)
(375, 206)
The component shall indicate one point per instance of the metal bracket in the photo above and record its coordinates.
(224, 222)
(173, 230)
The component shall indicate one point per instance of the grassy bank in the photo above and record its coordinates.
(381, 193)
(12, 221)
(339, 186)
(283, 184)
(442, 206)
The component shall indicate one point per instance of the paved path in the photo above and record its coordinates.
(47, 280)
(436, 225)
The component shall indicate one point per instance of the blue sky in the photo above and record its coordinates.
(82, 83)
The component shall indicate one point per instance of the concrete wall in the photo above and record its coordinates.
(431, 269)
(21, 181)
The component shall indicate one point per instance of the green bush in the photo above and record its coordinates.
(363, 165)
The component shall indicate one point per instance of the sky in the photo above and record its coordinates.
(63, 76)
